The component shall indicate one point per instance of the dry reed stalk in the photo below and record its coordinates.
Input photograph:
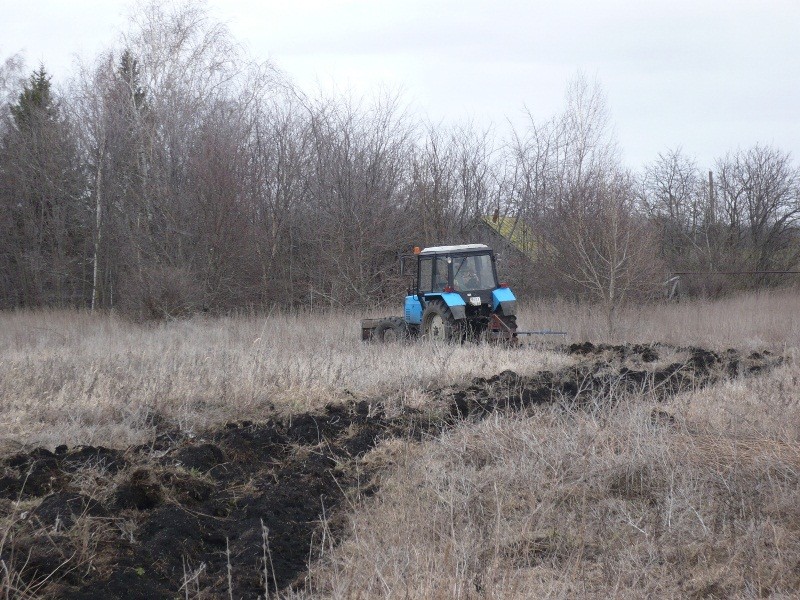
(721, 452)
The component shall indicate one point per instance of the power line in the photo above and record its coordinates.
(735, 273)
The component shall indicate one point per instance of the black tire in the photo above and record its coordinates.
(392, 329)
(438, 323)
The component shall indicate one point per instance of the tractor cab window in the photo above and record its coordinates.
(425, 274)
(473, 273)
(440, 274)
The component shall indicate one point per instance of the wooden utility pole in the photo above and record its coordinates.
(711, 204)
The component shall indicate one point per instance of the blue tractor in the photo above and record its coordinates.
(455, 297)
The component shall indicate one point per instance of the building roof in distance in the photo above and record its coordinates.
(516, 232)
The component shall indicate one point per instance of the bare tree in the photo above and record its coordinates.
(433, 185)
(184, 95)
(608, 249)
(10, 83)
(356, 217)
(11, 80)
(676, 198)
(568, 184)
(759, 196)
(452, 181)
(672, 194)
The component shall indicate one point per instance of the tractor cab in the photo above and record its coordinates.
(467, 270)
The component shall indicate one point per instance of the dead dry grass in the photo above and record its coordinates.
(747, 321)
(77, 378)
(568, 503)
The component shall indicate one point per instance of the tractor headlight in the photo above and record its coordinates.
(475, 300)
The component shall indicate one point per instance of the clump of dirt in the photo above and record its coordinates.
(202, 457)
(59, 510)
(253, 496)
(139, 492)
(607, 371)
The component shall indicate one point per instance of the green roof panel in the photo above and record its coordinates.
(516, 232)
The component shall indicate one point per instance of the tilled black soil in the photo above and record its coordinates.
(246, 503)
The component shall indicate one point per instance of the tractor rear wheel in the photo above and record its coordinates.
(389, 330)
(438, 323)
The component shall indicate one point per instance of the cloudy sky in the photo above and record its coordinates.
(708, 76)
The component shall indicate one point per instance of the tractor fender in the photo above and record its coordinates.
(413, 310)
(505, 299)
(453, 301)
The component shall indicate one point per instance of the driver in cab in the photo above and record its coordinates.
(466, 279)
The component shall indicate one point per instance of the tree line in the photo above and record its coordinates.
(175, 174)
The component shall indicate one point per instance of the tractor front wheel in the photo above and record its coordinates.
(438, 323)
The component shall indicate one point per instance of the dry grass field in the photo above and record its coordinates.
(569, 503)
(77, 378)
(628, 488)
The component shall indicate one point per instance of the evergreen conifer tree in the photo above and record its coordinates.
(36, 101)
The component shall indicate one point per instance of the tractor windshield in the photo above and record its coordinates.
(473, 273)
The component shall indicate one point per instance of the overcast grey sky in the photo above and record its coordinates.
(709, 76)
